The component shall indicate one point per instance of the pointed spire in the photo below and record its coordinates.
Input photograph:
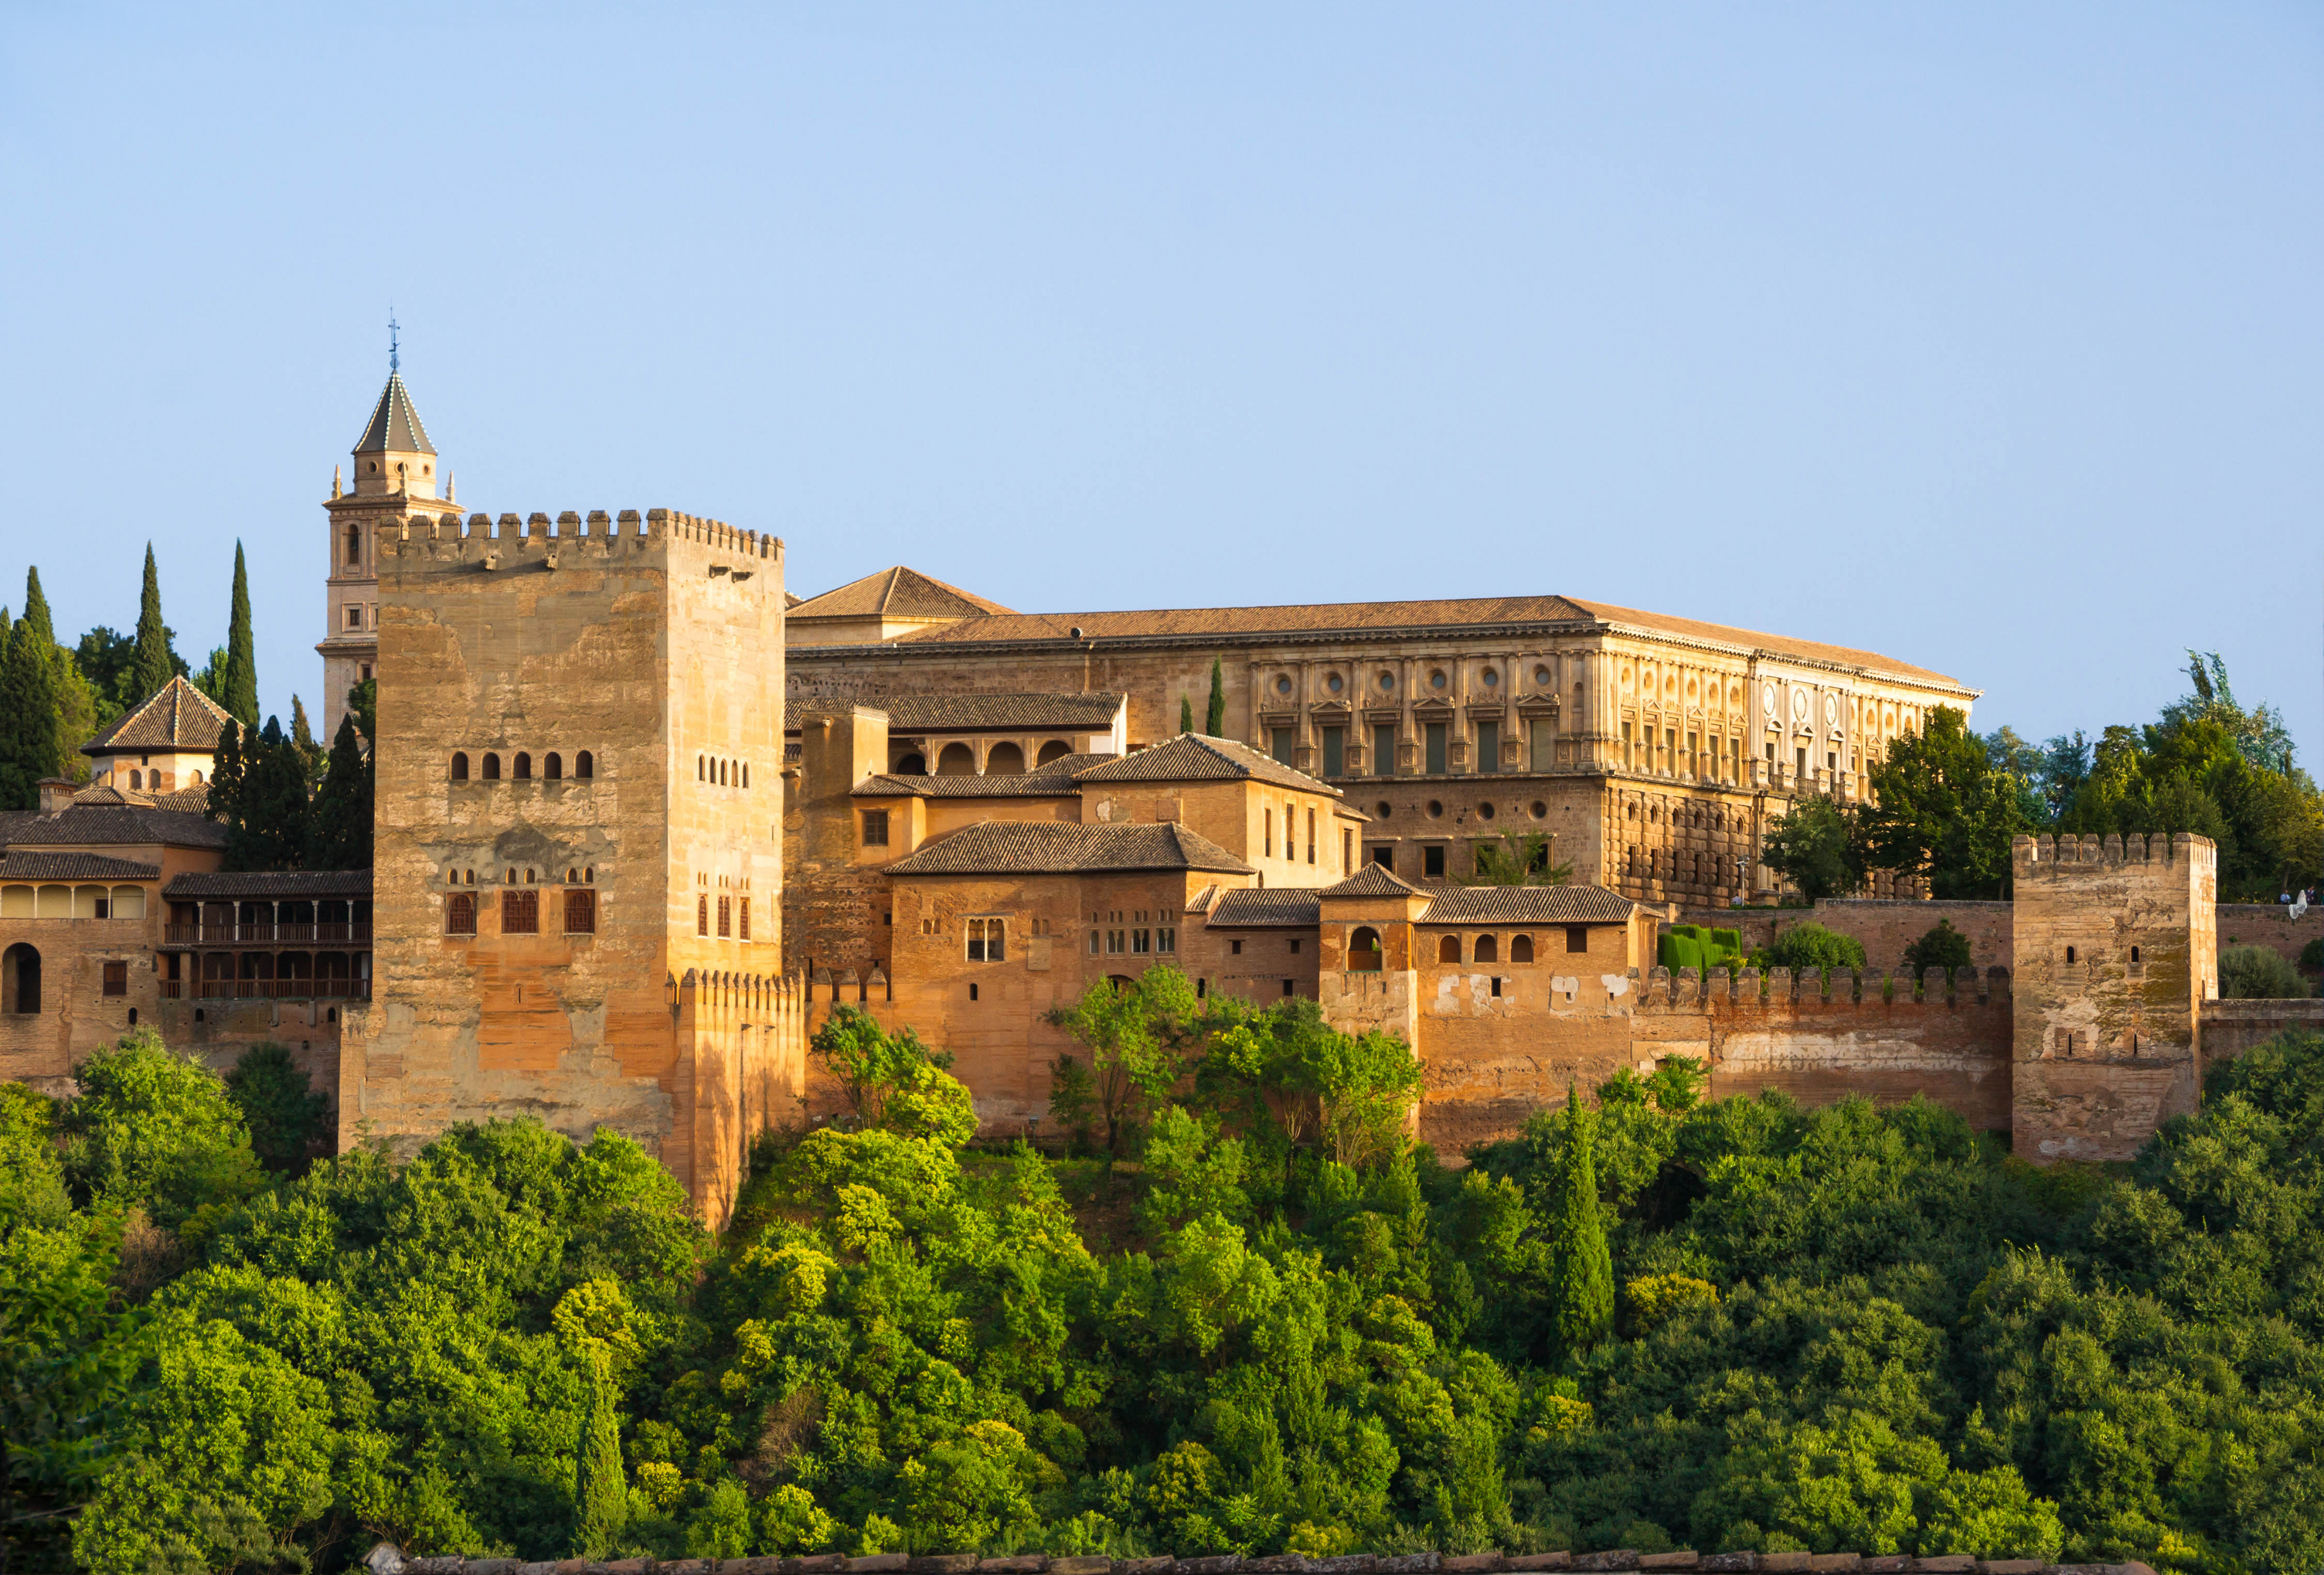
(394, 425)
(335, 487)
(451, 491)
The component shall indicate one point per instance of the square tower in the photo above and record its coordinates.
(578, 847)
(2116, 947)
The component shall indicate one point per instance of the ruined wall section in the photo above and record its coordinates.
(654, 644)
(2115, 949)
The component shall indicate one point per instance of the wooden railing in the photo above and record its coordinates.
(265, 935)
(266, 989)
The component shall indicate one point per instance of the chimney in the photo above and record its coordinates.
(55, 793)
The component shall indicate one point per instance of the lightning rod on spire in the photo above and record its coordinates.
(393, 365)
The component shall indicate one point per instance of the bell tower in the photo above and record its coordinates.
(395, 470)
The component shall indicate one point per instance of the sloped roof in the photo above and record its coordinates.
(105, 825)
(898, 592)
(1053, 780)
(1363, 618)
(1373, 880)
(1192, 757)
(19, 864)
(275, 883)
(1526, 905)
(1067, 848)
(175, 716)
(1283, 906)
(394, 424)
(969, 712)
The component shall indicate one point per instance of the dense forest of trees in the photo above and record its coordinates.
(1949, 802)
(1253, 1318)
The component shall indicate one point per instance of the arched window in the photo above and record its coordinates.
(459, 765)
(197, 777)
(460, 915)
(492, 767)
(584, 767)
(1004, 760)
(746, 773)
(956, 760)
(1056, 748)
(552, 767)
(20, 980)
(701, 769)
(135, 780)
(1489, 949)
(1448, 950)
(354, 543)
(523, 766)
(1521, 949)
(589, 875)
(912, 765)
(1364, 949)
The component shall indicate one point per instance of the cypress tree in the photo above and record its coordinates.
(1214, 717)
(28, 704)
(1186, 714)
(240, 682)
(1583, 1291)
(339, 829)
(302, 737)
(601, 1495)
(268, 829)
(225, 801)
(154, 664)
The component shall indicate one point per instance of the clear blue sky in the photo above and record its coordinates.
(1986, 336)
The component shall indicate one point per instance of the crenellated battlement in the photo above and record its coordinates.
(452, 538)
(2034, 857)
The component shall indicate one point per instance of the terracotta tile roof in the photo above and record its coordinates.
(1193, 758)
(195, 799)
(1053, 780)
(176, 716)
(898, 592)
(394, 424)
(265, 883)
(98, 826)
(971, 713)
(1270, 905)
(18, 864)
(1478, 614)
(1067, 848)
(1373, 880)
(1526, 905)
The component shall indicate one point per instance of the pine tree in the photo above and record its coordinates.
(339, 829)
(601, 1496)
(241, 679)
(1214, 717)
(28, 704)
(1186, 714)
(1582, 1293)
(154, 664)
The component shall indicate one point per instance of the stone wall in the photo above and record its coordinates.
(2269, 924)
(2230, 1027)
(1883, 927)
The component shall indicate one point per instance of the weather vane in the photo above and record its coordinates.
(393, 365)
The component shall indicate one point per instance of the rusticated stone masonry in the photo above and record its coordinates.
(385, 1560)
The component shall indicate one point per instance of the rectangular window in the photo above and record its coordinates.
(1268, 817)
(1141, 942)
(116, 979)
(725, 917)
(1384, 855)
(1114, 943)
(1335, 753)
(520, 913)
(1489, 746)
(875, 828)
(580, 911)
(1311, 836)
(1435, 736)
(354, 616)
(1384, 751)
(743, 931)
(702, 915)
(460, 915)
(986, 942)
(1670, 749)
(1278, 744)
(1628, 757)
(1577, 937)
(1234, 948)
(1693, 749)
(1802, 756)
(1166, 941)
(1093, 943)
(1432, 863)
(1347, 850)
(1541, 743)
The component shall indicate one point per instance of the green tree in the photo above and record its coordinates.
(1814, 847)
(1138, 1032)
(1941, 811)
(363, 702)
(223, 802)
(268, 819)
(1214, 714)
(601, 1494)
(1809, 945)
(28, 705)
(240, 679)
(339, 827)
(2259, 974)
(1519, 857)
(1186, 714)
(154, 1129)
(279, 1105)
(302, 736)
(1942, 946)
(1582, 1289)
(153, 662)
(868, 1063)
(104, 656)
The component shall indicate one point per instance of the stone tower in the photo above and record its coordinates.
(2116, 947)
(395, 470)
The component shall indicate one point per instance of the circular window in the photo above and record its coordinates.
(1388, 681)
(1333, 682)
(1381, 809)
(1283, 686)
(1626, 678)
(1631, 812)
(1831, 709)
(1540, 810)
(1484, 812)
(1436, 680)
(1690, 688)
(1492, 678)
(1541, 674)
(1800, 704)
(1767, 698)
(1435, 809)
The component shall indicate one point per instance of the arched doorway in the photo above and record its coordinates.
(20, 980)
(957, 761)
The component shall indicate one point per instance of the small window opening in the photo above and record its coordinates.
(584, 767)
(459, 767)
(492, 767)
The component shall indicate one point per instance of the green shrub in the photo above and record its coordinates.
(2259, 974)
(1700, 948)
(1809, 945)
(1942, 947)
(2312, 955)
